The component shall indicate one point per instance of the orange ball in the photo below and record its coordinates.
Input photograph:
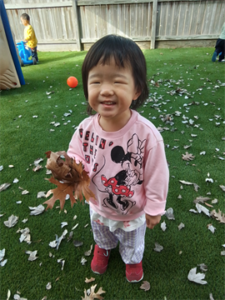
(72, 82)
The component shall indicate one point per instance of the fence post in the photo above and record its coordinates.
(77, 22)
(154, 18)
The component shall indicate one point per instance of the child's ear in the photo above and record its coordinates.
(137, 94)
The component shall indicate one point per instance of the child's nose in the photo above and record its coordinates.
(106, 89)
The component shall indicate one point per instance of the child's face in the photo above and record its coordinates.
(111, 90)
(24, 22)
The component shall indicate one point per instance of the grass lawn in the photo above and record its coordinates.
(27, 132)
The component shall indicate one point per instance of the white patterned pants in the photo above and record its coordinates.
(132, 243)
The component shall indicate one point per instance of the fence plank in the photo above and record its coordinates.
(213, 17)
(154, 16)
(77, 24)
(175, 17)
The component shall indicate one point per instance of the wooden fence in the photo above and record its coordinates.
(76, 24)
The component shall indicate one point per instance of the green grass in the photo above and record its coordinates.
(24, 139)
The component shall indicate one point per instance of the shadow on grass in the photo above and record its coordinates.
(53, 56)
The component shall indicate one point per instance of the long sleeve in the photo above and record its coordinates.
(28, 33)
(222, 35)
(30, 37)
(156, 180)
(75, 148)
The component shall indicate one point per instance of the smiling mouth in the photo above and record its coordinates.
(108, 103)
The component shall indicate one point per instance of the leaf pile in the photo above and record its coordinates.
(71, 179)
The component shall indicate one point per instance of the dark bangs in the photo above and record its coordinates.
(124, 51)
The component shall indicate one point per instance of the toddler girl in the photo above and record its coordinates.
(123, 153)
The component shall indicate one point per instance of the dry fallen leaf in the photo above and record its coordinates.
(17, 297)
(185, 182)
(83, 261)
(209, 180)
(203, 267)
(211, 228)
(48, 286)
(203, 209)
(187, 146)
(187, 156)
(37, 168)
(25, 235)
(70, 236)
(25, 192)
(169, 214)
(12, 220)
(201, 199)
(77, 243)
(219, 216)
(181, 226)
(2, 263)
(8, 294)
(196, 277)
(163, 226)
(88, 253)
(37, 210)
(214, 201)
(63, 224)
(37, 161)
(158, 247)
(211, 296)
(4, 186)
(145, 286)
(2, 256)
(196, 187)
(75, 226)
(32, 254)
(58, 240)
(92, 295)
(222, 187)
(75, 180)
(62, 262)
(41, 194)
(89, 280)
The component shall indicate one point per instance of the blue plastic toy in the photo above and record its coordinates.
(25, 54)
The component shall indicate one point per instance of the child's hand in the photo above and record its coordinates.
(151, 221)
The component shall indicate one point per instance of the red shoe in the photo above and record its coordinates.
(100, 260)
(134, 273)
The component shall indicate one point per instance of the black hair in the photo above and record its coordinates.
(25, 17)
(123, 50)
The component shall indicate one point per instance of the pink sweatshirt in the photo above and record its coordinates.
(128, 168)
